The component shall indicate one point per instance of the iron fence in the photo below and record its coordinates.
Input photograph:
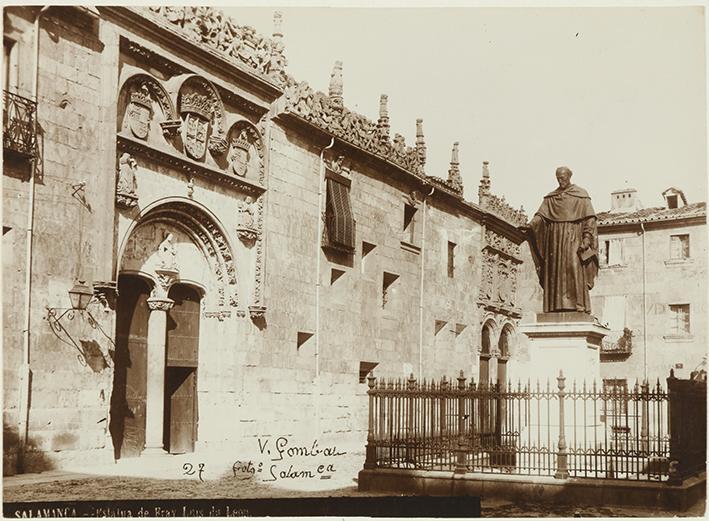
(531, 429)
(19, 124)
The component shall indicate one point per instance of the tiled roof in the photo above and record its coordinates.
(653, 214)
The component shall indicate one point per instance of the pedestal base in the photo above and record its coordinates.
(568, 342)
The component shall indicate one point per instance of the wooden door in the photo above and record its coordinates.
(181, 393)
(127, 425)
(180, 422)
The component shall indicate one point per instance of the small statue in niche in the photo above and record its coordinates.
(167, 253)
(126, 187)
(239, 154)
(246, 213)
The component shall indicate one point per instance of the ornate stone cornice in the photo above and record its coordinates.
(210, 28)
(324, 112)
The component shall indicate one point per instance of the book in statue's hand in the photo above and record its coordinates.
(586, 254)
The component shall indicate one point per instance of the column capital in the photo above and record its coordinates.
(160, 304)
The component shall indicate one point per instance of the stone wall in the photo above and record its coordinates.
(667, 282)
(262, 369)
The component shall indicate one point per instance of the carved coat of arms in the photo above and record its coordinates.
(139, 112)
(239, 154)
(197, 113)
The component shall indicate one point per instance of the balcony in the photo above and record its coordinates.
(618, 349)
(18, 125)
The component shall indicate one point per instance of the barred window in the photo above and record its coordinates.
(679, 246)
(679, 319)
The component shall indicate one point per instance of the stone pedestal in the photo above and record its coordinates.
(568, 344)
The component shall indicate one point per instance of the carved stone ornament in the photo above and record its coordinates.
(139, 112)
(126, 195)
(167, 254)
(160, 304)
(171, 127)
(239, 43)
(257, 312)
(197, 113)
(501, 243)
(217, 145)
(106, 293)
(324, 112)
(239, 154)
(219, 315)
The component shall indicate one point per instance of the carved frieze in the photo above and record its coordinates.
(499, 207)
(501, 243)
(219, 314)
(498, 285)
(326, 113)
(210, 27)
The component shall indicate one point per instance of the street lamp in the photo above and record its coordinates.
(80, 295)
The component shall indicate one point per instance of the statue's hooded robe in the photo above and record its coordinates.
(557, 229)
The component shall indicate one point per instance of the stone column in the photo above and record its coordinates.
(157, 334)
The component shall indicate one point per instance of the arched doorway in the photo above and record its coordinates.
(172, 261)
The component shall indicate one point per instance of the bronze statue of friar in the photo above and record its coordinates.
(563, 239)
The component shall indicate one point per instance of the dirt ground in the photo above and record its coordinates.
(131, 488)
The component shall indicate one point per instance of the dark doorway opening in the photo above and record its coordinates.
(127, 424)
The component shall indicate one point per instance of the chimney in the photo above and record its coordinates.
(625, 200)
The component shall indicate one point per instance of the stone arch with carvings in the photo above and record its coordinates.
(140, 97)
(177, 240)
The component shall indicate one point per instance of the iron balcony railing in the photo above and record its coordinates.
(560, 430)
(19, 125)
(622, 347)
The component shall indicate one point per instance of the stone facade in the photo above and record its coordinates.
(170, 160)
(652, 281)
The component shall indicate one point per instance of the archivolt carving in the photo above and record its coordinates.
(211, 240)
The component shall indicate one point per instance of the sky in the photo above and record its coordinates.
(618, 94)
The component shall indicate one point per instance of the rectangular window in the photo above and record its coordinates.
(339, 218)
(10, 69)
(679, 246)
(451, 259)
(410, 223)
(614, 312)
(614, 252)
(679, 319)
(671, 202)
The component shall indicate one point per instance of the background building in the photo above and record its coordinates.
(651, 290)
(251, 243)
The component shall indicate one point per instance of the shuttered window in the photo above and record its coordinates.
(339, 219)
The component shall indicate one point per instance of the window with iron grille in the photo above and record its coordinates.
(679, 319)
(410, 212)
(679, 246)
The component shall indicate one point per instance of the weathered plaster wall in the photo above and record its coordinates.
(667, 282)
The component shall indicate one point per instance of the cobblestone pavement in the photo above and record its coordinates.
(69, 487)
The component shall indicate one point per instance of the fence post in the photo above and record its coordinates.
(442, 408)
(460, 467)
(370, 460)
(645, 418)
(410, 433)
(562, 471)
